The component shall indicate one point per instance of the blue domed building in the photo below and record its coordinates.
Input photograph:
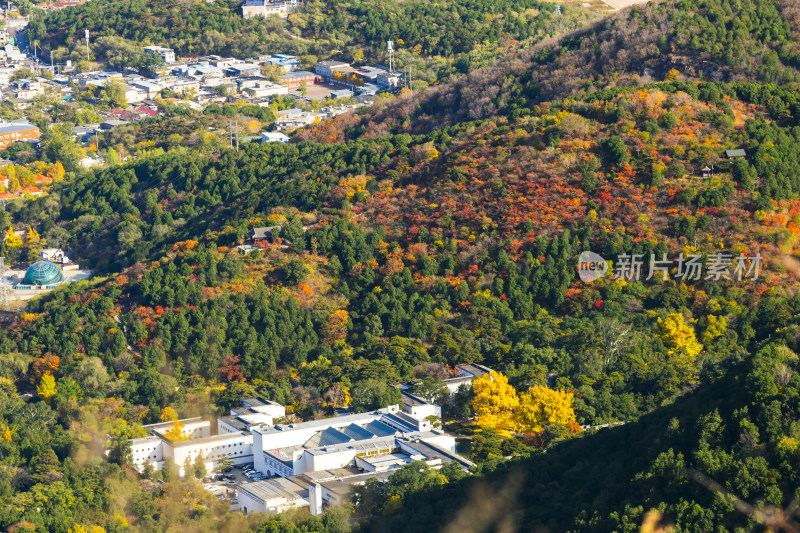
(43, 273)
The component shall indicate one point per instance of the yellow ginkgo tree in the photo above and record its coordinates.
(46, 387)
(540, 406)
(498, 406)
(12, 240)
(681, 342)
(495, 402)
(176, 431)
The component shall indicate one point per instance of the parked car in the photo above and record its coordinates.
(231, 483)
(234, 501)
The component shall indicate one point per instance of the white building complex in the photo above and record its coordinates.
(313, 464)
(232, 440)
(292, 449)
(466, 375)
(318, 462)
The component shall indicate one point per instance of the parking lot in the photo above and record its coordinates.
(224, 485)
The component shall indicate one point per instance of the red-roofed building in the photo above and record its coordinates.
(124, 114)
(35, 191)
(61, 5)
(147, 111)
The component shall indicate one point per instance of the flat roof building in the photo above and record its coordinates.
(265, 8)
(232, 441)
(250, 412)
(466, 375)
(11, 133)
(327, 68)
(292, 449)
(295, 78)
(274, 136)
(167, 54)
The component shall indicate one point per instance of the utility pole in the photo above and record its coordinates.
(237, 135)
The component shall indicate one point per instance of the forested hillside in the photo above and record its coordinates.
(717, 40)
(445, 228)
(719, 459)
(417, 256)
(429, 35)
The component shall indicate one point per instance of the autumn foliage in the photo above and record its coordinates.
(498, 406)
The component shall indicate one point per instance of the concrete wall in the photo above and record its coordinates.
(326, 461)
(195, 428)
(315, 498)
(420, 412)
(147, 450)
(223, 427)
(287, 437)
(250, 504)
(239, 448)
(266, 464)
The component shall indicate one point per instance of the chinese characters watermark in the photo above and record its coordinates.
(690, 267)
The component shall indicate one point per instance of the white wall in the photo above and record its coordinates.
(147, 450)
(287, 437)
(272, 466)
(238, 448)
(249, 504)
(315, 498)
(258, 452)
(223, 427)
(421, 412)
(194, 429)
(326, 461)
